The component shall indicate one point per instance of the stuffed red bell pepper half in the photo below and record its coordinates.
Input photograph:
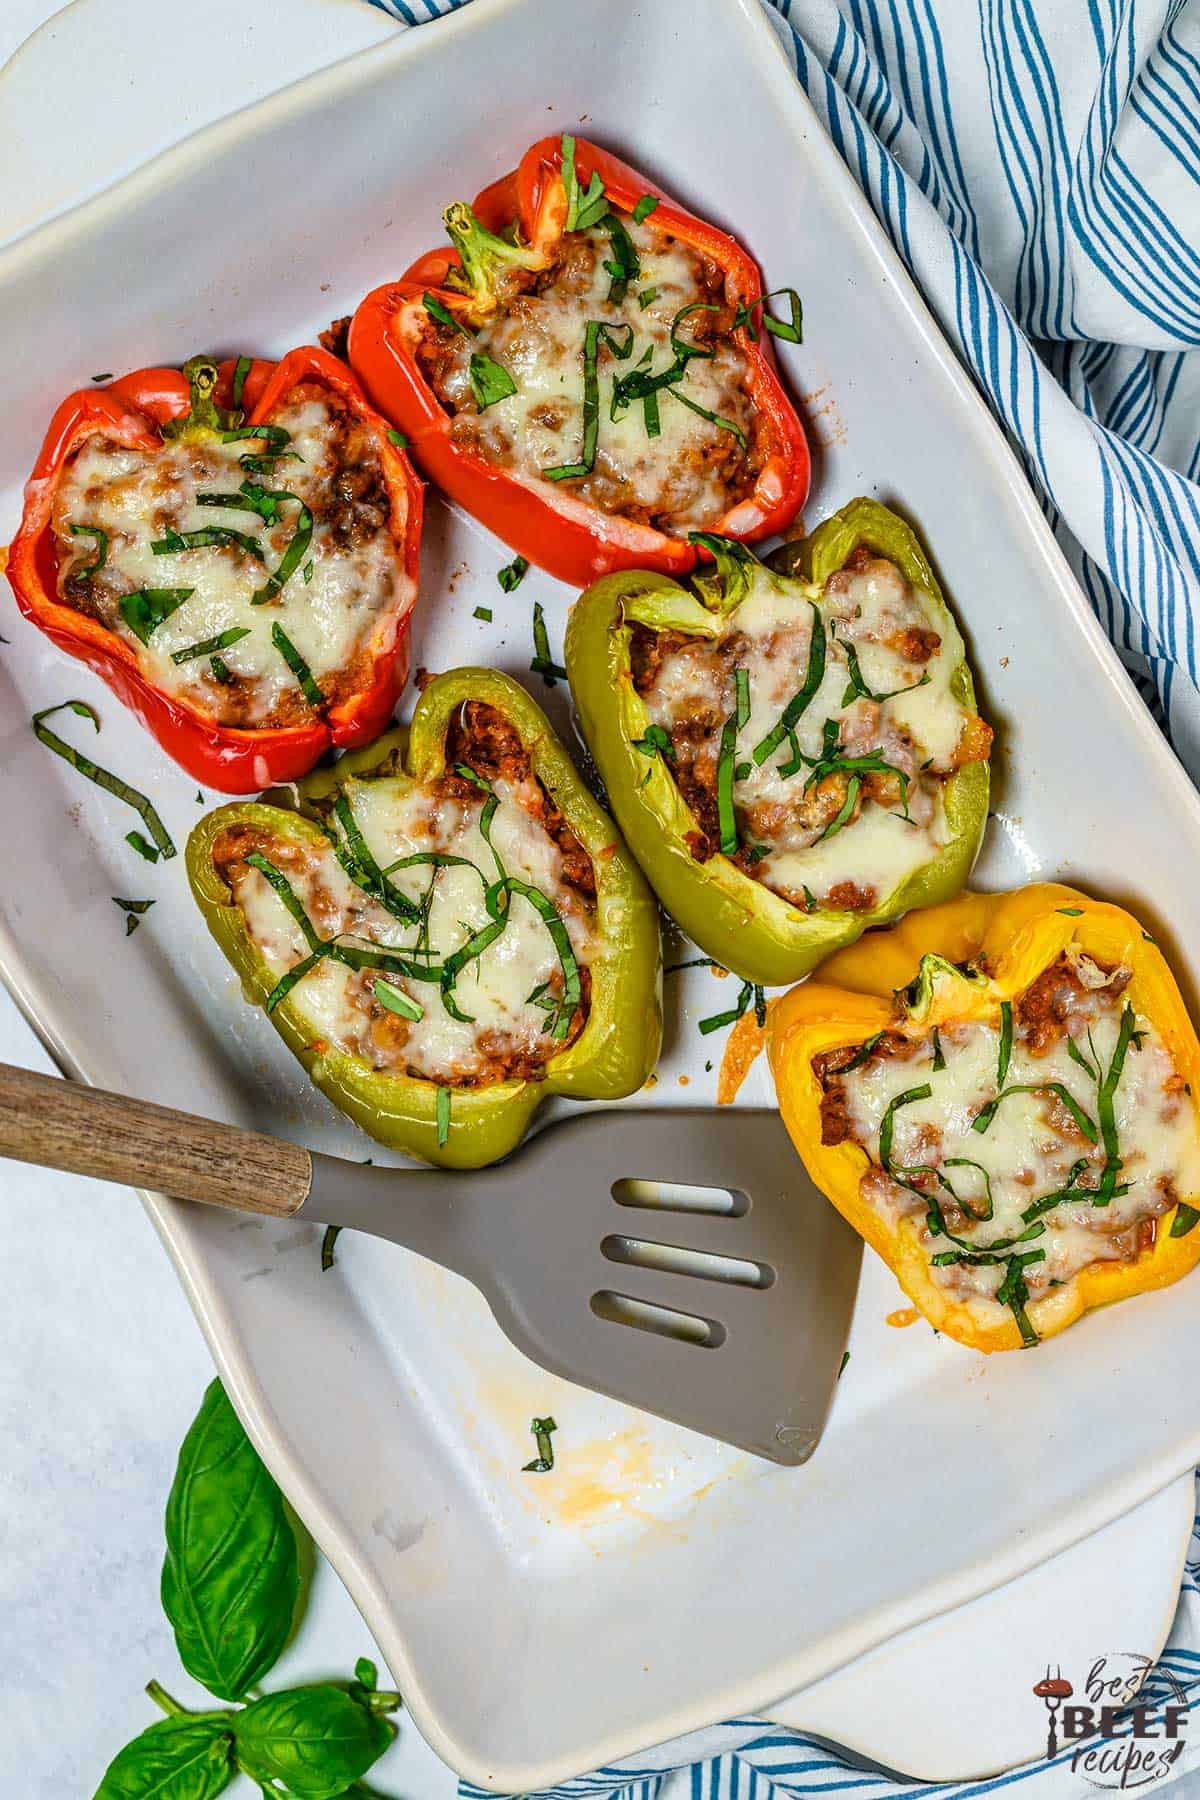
(587, 368)
(234, 549)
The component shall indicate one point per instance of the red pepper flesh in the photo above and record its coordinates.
(559, 531)
(130, 410)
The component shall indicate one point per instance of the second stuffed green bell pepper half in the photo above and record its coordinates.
(792, 750)
(444, 927)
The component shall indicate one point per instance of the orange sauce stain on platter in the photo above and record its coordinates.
(903, 1316)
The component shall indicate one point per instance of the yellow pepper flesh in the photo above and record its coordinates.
(1015, 935)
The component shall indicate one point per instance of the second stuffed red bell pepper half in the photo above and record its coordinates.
(587, 369)
(234, 549)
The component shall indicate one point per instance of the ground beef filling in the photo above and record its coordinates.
(348, 498)
(1075, 999)
(483, 740)
(714, 462)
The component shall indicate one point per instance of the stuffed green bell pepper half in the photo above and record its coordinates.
(443, 927)
(792, 750)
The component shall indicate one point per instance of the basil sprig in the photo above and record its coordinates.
(231, 1575)
(231, 1588)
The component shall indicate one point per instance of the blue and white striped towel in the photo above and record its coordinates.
(1060, 250)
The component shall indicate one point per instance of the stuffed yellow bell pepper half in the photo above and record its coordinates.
(443, 930)
(793, 752)
(1000, 1095)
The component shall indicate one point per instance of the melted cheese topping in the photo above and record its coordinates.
(352, 568)
(1031, 1146)
(889, 626)
(692, 471)
(506, 1031)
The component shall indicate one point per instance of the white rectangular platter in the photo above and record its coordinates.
(654, 1582)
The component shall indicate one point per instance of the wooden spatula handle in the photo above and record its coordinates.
(64, 1125)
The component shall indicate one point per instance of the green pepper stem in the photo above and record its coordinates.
(485, 257)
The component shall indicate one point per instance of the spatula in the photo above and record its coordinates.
(676, 1259)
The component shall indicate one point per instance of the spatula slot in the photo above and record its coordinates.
(664, 1321)
(676, 1259)
(680, 1196)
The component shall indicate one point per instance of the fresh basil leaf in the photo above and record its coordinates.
(317, 1740)
(231, 1578)
(186, 1758)
(644, 207)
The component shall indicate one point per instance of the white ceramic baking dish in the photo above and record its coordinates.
(654, 1582)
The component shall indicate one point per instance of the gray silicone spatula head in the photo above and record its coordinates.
(680, 1260)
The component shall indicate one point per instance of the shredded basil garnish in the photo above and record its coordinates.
(1106, 1111)
(861, 1055)
(888, 1126)
(327, 1242)
(542, 664)
(297, 665)
(112, 784)
(984, 1118)
(1070, 912)
(1076, 1055)
(398, 438)
(858, 688)
(712, 417)
(939, 1060)
(443, 1115)
(512, 574)
(210, 646)
(596, 332)
(1006, 1041)
(584, 206)
(292, 557)
(175, 541)
(147, 608)
(1186, 1219)
(483, 613)
(644, 208)
(726, 819)
(101, 537)
(543, 1462)
(625, 266)
(490, 381)
(270, 434)
(647, 297)
(363, 869)
(145, 849)
(744, 999)
(241, 369)
(438, 310)
(220, 670)
(798, 704)
(792, 330)
(397, 1001)
(1013, 1292)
